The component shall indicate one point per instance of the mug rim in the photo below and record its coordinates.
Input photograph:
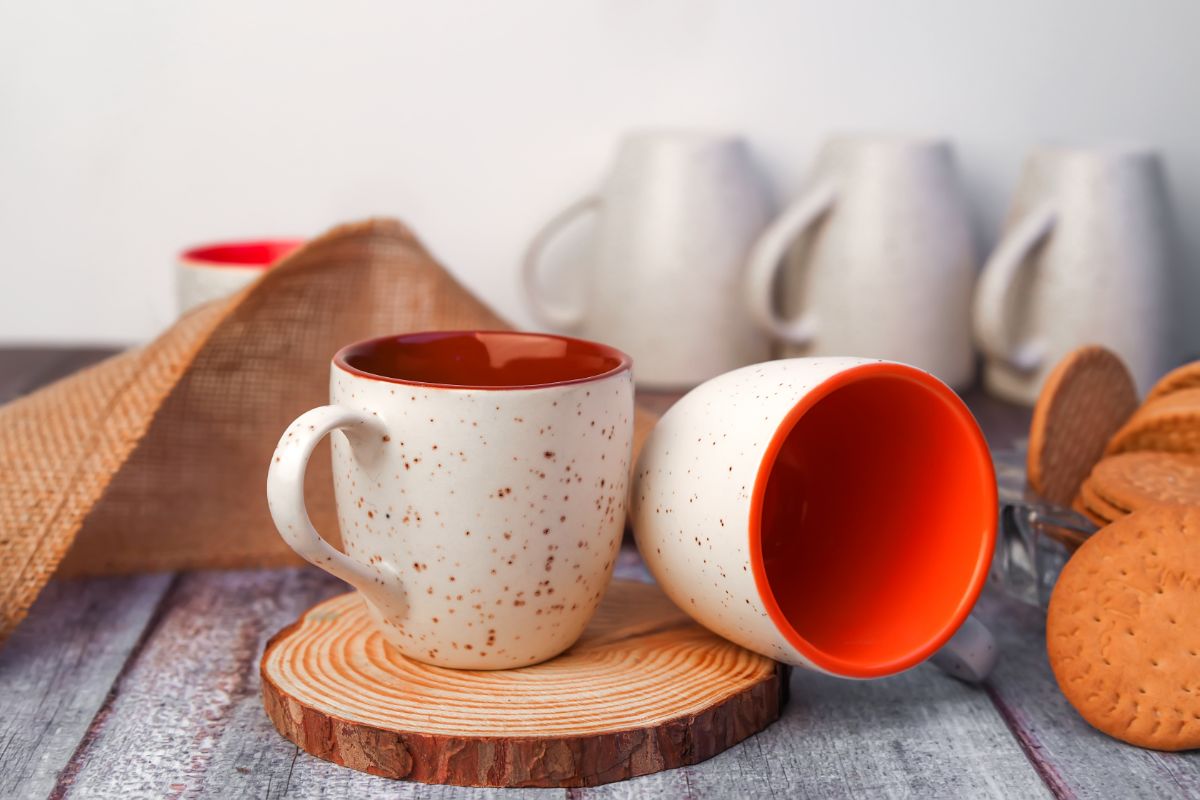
(624, 361)
(826, 661)
(223, 254)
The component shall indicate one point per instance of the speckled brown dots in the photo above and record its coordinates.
(487, 444)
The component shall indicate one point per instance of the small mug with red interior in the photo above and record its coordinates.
(213, 271)
(480, 480)
(837, 514)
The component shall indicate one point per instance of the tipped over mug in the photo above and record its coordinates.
(214, 271)
(837, 514)
(480, 481)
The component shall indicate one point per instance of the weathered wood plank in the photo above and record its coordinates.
(58, 667)
(23, 369)
(1074, 759)
(184, 719)
(312, 779)
(920, 734)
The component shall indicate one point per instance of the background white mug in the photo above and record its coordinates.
(480, 482)
(676, 217)
(1086, 258)
(213, 271)
(875, 260)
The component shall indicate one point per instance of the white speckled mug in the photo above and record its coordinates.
(480, 482)
(837, 514)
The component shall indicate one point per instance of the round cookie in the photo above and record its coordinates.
(1185, 377)
(1169, 424)
(1078, 505)
(1121, 631)
(1136, 480)
(1099, 505)
(1087, 397)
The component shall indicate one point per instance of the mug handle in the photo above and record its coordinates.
(285, 489)
(993, 297)
(970, 654)
(766, 258)
(547, 313)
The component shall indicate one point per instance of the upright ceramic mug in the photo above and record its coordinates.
(676, 218)
(887, 264)
(837, 514)
(218, 270)
(1086, 258)
(480, 482)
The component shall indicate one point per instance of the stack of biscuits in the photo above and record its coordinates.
(1154, 458)
(1129, 481)
(1123, 628)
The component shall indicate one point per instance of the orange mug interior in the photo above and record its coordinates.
(873, 520)
(481, 359)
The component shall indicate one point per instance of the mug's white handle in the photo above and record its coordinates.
(285, 488)
(546, 312)
(970, 654)
(993, 297)
(766, 257)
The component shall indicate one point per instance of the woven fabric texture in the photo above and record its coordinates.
(156, 458)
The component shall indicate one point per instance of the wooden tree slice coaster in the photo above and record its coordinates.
(645, 689)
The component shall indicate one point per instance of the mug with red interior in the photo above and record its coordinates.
(837, 514)
(213, 271)
(480, 480)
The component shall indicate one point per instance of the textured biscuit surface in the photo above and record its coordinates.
(1078, 505)
(1122, 632)
(1185, 377)
(1097, 504)
(1169, 424)
(1087, 397)
(1136, 480)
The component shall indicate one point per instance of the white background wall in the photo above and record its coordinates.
(131, 128)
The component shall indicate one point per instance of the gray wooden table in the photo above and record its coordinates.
(147, 686)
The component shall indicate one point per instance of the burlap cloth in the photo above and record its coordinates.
(156, 458)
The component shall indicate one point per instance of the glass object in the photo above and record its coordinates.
(1035, 538)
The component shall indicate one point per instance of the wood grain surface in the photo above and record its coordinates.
(149, 687)
(1073, 759)
(644, 689)
(58, 668)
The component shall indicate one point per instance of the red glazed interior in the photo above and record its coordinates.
(243, 254)
(481, 359)
(875, 514)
